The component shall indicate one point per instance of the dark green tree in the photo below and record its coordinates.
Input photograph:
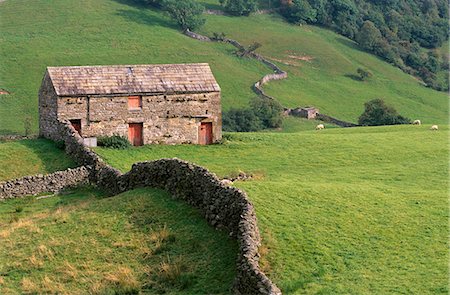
(377, 113)
(241, 121)
(269, 111)
(239, 7)
(187, 13)
(368, 36)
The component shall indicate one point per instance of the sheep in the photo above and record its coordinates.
(320, 127)
(434, 127)
(417, 122)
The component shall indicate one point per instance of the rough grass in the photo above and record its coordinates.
(139, 241)
(29, 157)
(322, 70)
(342, 211)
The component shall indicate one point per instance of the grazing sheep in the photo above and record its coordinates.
(434, 127)
(417, 122)
(320, 127)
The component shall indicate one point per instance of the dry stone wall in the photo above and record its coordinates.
(224, 207)
(33, 185)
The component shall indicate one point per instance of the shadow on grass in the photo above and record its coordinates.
(140, 14)
(52, 158)
(353, 77)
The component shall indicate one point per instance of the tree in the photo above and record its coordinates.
(368, 36)
(239, 7)
(377, 113)
(187, 13)
(268, 111)
(241, 121)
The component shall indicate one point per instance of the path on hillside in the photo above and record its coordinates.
(278, 74)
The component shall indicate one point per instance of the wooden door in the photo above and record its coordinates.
(135, 133)
(205, 135)
(76, 124)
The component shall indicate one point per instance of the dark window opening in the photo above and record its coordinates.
(76, 124)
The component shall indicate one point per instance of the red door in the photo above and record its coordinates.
(76, 124)
(135, 133)
(205, 133)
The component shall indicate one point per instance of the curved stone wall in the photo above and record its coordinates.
(222, 206)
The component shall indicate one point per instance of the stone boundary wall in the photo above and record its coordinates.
(36, 184)
(279, 74)
(329, 119)
(223, 207)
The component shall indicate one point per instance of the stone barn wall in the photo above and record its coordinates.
(167, 119)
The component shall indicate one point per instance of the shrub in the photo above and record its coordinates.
(239, 7)
(364, 74)
(268, 111)
(263, 113)
(377, 113)
(115, 142)
(241, 121)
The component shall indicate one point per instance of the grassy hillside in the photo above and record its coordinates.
(139, 241)
(342, 211)
(322, 70)
(29, 157)
(100, 32)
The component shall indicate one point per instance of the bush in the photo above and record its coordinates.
(268, 111)
(239, 7)
(115, 142)
(364, 74)
(377, 113)
(263, 113)
(241, 121)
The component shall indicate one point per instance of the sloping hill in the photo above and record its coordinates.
(341, 211)
(141, 241)
(322, 70)
(101, 32)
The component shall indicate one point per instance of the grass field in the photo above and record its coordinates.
(29, 157)
(83, 243)
(342, 211)
(100, 32)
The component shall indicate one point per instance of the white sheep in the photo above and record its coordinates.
(417, 122)
(320, 127)
(434, 127)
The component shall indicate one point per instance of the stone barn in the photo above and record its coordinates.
(306, 112)
(161, 104)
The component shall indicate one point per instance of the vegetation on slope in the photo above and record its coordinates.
(321, 64)
(29, 157)
(322, 68)
(394, 30)
(100, 32)
(139, 241)
(356, 210)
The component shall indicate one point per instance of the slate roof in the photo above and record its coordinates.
(129, 79)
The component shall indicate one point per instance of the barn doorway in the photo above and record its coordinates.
(76, 124)
(135, 133)
(205, 135)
